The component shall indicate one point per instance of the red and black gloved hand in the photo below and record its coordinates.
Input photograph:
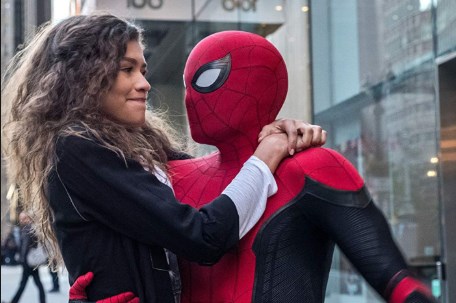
(78, 292)
(407, 289)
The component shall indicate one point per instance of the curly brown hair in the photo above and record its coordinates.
(54, 84)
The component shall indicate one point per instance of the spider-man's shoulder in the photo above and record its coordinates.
(323, 165)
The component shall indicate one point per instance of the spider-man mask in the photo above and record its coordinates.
(236, 83)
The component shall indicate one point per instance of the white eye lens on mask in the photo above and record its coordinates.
(208, 77)
(212, 75)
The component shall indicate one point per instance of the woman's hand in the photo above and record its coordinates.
(272, 149)
(301, 135)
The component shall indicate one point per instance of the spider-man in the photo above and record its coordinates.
(236, 83)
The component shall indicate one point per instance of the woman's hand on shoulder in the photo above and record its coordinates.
(301, 135)
(272, 149)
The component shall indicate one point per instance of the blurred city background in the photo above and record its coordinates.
(11, 275)
(378, 75)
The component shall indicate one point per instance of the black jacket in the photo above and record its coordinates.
(114, 218)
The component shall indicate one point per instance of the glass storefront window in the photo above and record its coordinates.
(373, 61)
(445, 24)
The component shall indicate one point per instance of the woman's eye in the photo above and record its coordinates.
(126, 69)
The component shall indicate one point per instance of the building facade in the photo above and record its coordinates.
(388, 65)
(378, 75)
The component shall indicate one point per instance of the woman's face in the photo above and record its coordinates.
(125, 102)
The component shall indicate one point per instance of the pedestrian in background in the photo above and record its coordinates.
(9, 249)
(28, 241)
(54, 278)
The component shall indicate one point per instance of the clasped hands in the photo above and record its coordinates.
(301, 135)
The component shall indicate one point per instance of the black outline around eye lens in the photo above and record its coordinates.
(223, 64)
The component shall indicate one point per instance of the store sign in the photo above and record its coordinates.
(228, 5)
(154, 4)
(245, 5)
(247, 11)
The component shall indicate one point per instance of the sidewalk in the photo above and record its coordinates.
(11, 276)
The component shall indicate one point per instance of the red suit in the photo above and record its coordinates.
(236, 83)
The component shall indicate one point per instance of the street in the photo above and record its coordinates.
(11, 276)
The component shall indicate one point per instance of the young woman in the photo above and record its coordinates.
(91, 162)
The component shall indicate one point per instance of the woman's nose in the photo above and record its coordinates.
(143, 84)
